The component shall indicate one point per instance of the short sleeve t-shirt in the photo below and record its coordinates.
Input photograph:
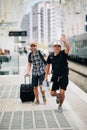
(30, 55)
(59, 63)
(38, 64)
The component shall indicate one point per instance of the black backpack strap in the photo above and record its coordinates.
(42, 57)
(29, 57)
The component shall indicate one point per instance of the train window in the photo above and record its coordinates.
(84, 43)
(86, 28)
(79, 43)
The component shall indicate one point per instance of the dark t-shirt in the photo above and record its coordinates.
(59, 63)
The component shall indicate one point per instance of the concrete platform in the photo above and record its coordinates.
(15, 115)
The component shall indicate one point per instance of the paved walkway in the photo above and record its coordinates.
(15, 115)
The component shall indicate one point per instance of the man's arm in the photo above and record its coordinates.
(47, 71)
(28, 69)
(44, 55)
(63, 38)
(45, 58)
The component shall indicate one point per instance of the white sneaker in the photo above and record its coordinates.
(36, 102)
(60, 109)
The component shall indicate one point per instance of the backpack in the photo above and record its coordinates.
(41, 56)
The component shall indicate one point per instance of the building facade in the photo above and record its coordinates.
(75, 13)
(46, 23)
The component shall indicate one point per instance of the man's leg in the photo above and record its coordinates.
(61, 99)
(36, 102)
(41, 79)
(36, 93)
(63, 86)
(42, 91)
(53, 93)
(62, 96)
(55, 87)
(35, 84)
(43, 95)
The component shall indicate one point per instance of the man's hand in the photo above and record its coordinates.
(26, 75)
(63, 38)
(46, 77)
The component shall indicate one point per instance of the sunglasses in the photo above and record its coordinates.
(57, 46)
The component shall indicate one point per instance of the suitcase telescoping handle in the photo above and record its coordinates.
(25, 79)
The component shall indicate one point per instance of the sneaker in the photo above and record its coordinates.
(57, 99)
(36, 102)
(44, 100)
(60, 109)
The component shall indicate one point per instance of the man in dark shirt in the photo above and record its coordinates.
(58, 59)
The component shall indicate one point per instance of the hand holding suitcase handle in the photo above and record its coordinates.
(25, 78)
(26, 75)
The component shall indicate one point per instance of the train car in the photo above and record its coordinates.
(78, 48)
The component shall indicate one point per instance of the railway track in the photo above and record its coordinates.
(78, 74)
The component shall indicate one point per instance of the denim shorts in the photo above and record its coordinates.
(37, 80)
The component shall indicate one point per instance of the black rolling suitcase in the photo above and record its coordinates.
(26, 91)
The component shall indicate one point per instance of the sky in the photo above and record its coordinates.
(29, 3)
